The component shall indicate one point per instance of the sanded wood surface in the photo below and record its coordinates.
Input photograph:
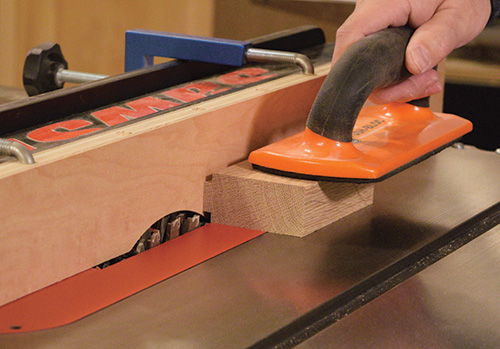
(243, 197)
(90, 200)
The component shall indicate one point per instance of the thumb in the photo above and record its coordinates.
(429, 45)
(436, 38)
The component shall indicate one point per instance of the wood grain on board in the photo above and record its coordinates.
(243, 197)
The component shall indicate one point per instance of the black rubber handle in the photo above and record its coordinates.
(374, 61)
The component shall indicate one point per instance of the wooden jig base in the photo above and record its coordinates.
(90, 200)
(243, 197)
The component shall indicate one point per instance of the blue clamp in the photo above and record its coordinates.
(141, 46)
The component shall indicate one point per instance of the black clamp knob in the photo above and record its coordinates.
(40, 68)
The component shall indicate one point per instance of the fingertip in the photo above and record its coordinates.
(418, 60)
(434, 88)
(431, 43)
(416, 87)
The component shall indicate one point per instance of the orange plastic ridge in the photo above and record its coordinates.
(385, 139)
(94, 289)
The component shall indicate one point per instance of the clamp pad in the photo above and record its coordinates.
(141, 46)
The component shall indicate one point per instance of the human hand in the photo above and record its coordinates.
(441, 26)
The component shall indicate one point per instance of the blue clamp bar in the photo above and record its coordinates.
(141, 46)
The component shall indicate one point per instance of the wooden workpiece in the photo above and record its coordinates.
(244, 197)
(100, 193)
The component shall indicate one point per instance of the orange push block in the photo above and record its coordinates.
(386, 140)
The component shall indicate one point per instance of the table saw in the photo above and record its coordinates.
(114, 157)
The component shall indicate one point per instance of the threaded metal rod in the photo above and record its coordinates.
(62, 75)
(255, 55)
(17, 150)
(258, 55)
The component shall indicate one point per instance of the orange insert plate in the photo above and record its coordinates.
(387, 139)
(95, 289)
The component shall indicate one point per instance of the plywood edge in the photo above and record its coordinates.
(147, 125)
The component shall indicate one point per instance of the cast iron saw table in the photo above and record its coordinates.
(279, 291)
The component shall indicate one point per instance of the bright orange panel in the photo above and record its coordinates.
(386, 139)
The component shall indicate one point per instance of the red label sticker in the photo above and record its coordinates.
(61, 131)
(138, 108)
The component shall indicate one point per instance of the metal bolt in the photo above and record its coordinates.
(258, 55)
(63, 75)
(17, 150)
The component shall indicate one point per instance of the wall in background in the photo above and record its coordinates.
(91, 32)
(245, 19)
